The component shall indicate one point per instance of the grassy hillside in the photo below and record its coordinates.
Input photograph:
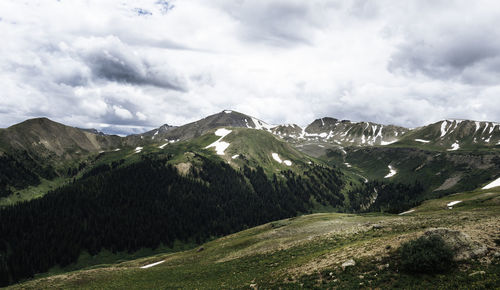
(308, 251)
(440, 172)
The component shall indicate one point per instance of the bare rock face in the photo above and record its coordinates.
(463, 246)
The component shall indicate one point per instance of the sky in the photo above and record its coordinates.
(130, 66)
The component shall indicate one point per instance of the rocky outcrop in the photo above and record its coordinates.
(463, 246)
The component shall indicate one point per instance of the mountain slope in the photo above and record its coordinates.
(308, 252)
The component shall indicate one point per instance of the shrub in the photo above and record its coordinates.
(427, 254)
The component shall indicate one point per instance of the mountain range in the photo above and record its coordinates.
(236, 170)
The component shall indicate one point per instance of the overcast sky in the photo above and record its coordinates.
(128, 66)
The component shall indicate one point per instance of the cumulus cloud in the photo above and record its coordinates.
(126, 67)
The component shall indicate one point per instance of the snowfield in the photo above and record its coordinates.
(277, 158)
(453, 203)
(152, 265)
(422, 140)
(495, 183)
(383, 143)
(391, 173)
(138, 149)
(220, 146)
(408, 211)
(454, 146)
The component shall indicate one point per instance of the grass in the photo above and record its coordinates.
(32, 192)
(307, 251)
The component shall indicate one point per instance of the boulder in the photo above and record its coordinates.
(464, 248)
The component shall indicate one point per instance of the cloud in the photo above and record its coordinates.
(451, 47)
(110, 59)
(122, 113)
(124, 67)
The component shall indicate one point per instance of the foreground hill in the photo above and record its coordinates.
(310, 251)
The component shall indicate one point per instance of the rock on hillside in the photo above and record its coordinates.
(463, 246)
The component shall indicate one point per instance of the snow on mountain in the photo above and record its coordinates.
(392, 172)
(220, 146)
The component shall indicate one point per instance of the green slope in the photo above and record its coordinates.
(308, 251)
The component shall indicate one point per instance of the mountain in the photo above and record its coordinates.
(347, 133)
(451, 135)
(342, 132)
(225, 118)
(126, 194)
(47, 138)
(38, 150)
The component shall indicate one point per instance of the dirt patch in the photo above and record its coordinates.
(183, 168)
(449, 183)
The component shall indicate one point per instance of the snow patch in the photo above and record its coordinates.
(228, 111)
(220, 146)
(117, 149)
(261, 125)
(478, 125)
(495, 183)
(277, 157)
(443, 129)
(347, 164)
(450, 204)
(406, 212)
(392, 172)
(163, 146)
(152, 265)
(383, 143)
(288, 162)
(138, 149)
(235, 156)
(422, 140)
(454, 146)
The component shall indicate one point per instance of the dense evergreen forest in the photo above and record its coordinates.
(20, 170)
(148, 204)
(385, 197)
